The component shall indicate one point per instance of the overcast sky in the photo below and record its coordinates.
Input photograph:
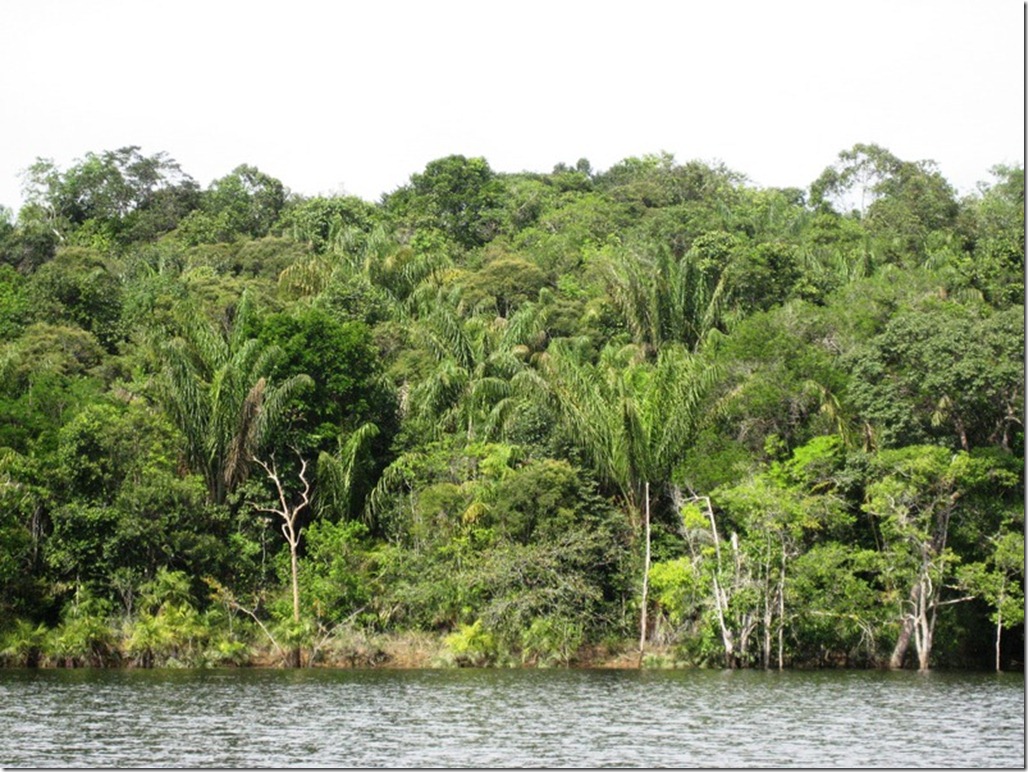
(356, 96)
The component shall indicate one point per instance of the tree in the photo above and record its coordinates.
(657, 180)
(914, 495)
(996, 581)
(992, 223)
(901, 201)
(665, 299)
(455, 195)
(219, 391)
(318, 222)
(77, 286)
(506, 283)
(777, 510)
(292, 529)
(469, 385)
(944, 370)
(121, 506)
(124, 194)
(246, 202)
(343, 366)
(762, 276)
(633, 421)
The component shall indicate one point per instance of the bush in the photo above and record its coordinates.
(472, 645)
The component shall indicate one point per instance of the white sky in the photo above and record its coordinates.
(356, 96)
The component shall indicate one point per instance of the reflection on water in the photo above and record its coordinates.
(491, 718)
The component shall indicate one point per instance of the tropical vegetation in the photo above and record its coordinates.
(653, 415)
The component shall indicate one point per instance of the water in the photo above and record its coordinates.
(493, 718)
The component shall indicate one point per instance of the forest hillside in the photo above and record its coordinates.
(652, 415)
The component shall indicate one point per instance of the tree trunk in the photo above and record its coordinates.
(769, 609)
(962, 433)
(765, 654)
(899, 651)
(296, 655)
(295, 567)
(646, 572)
(726, 634)
(781, 612)
(720, 597)
(292, 531)
(924, 624)
(999, 630)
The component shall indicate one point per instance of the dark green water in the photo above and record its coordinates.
(492, 718)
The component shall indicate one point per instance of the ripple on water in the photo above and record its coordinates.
(325, 718)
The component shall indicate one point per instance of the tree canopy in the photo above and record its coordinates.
(652, 413)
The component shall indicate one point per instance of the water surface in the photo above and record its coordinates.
(519, 718)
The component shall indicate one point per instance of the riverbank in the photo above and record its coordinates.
(353, 649)
(416, 650)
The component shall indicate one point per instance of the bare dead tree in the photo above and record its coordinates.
(289, 514)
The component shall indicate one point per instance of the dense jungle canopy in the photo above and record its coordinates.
(541, 418)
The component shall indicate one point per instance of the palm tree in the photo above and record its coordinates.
(470, 386)
(633, 419)
(218, 390)
(666, 299)
(337, 472)
(376, 258)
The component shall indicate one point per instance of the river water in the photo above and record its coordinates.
(511, 718)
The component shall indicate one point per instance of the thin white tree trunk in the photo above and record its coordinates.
(646, 572)
(999, 629)
(999, 619)
(720, 596)
(781, 612)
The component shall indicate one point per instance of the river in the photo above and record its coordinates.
(514, 718)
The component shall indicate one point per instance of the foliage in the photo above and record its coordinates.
(517, 413)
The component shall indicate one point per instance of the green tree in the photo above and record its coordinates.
(218, 390)
(632, 420)
(914, 495)
(992, 223)
(319, 221)
(468, 384)
(664, 299)
(78, 287)
(120, 509)
(111, 197)
(902, 202)
(343, 366)
(455, 195)
(944, 370)
(246, 202)
(780, 512)
(999, 580)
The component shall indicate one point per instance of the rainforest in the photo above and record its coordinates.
(649, 416)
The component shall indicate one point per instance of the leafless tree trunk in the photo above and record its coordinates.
(646, 572)
(769, 607)
(720, 595)
(999, 630)
(292, 531)
(924, 623)
(781, 611)
(899, 651)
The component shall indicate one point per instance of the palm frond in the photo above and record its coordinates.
(336, 472)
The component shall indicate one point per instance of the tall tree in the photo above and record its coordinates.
(901, 201)
(633, 420)
(916, 495)
(454, 195)
(665, 299)
(218, 390)
(117, 190)
(292, 528)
